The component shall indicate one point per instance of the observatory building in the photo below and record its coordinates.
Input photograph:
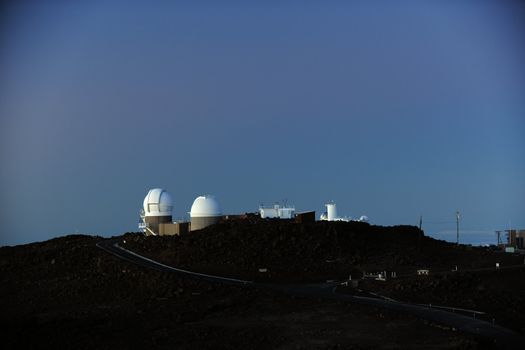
(277, 211)
(205, 211)
(156, 210)
(156, 214)
(331, 215)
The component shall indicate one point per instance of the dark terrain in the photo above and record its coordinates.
(67, 293)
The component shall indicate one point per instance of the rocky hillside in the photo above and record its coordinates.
(311, 251)
(67, 293)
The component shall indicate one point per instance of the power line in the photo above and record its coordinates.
(439, 222)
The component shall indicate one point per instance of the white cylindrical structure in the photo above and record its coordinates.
(331, 212)
(205, 211)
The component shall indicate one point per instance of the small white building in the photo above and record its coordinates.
(277, 212)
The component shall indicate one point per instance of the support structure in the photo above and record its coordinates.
(457, 227)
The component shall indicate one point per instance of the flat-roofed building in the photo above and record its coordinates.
(516, 238)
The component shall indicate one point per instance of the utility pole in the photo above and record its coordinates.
(457, 227)
(420, 231)
(498, 233)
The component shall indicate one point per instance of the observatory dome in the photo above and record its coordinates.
(205, 206)
(158, 202)
(363, 218)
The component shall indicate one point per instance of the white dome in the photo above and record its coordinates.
(158, 203)
(363, 218)
(205, 206)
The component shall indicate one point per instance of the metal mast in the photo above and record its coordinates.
(457, 227)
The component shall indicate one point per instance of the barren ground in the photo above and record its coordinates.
(67, 293)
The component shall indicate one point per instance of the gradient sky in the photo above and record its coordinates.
(390, 110)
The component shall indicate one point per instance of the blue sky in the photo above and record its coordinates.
(390, 110)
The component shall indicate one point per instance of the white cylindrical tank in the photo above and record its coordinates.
(157, 202)
(331, 212)
(205, 211)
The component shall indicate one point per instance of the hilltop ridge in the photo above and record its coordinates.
(66, 292)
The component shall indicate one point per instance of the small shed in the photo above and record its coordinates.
(176, 228)
(307, 216)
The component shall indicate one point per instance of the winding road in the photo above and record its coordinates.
(502, 337)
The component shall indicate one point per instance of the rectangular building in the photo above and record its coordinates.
(174, 228)
(516, 238)
(277, 212)
(307, 216)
